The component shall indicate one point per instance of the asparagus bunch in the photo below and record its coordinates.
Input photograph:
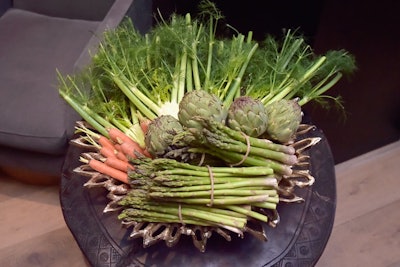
(166, 190)
(235, 148)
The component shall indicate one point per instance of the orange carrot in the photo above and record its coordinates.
(119, 153)
(118, 164)
(107, 170)
(147, 153)
(118, 136)
(107, 152)
(105, 142)
(129, 149)
(144, 124)
(125, 144)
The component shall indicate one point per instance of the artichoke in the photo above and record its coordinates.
(199, 103)
(248, 115)
(160, 134)
(284, 118)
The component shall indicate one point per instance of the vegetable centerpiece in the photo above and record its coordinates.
(190, 131)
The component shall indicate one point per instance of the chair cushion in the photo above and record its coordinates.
(32, 46)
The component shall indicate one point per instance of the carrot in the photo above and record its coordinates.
(105, 142)
(119, 153)
(147, 153)
(128, 146)
(144, 124)
(107, 152)
(125, 144)
(118, 136)
(129, 149)
(118, 164)
(107, 170)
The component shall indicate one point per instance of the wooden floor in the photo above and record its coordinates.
(366, 230)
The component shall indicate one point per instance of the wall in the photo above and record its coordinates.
(367, 29)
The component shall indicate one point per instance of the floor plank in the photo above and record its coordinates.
(372, 239)
(366, 230)
(11, 188)
(54, 248)
(366, 183)
(30, 215)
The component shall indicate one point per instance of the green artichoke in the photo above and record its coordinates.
(248, 115)
(160, 134)
(284, 118)
(199, 103)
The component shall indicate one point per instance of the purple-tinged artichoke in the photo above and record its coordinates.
(247, 115)
(160, 134)
(199, 103)
(284, 118)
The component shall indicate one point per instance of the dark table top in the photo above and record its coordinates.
(298, 240)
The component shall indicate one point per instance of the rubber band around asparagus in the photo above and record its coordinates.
(180, 214)
(247, 151)
(203, 157)
(211, 174)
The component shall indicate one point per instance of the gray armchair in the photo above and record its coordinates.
(36, 38)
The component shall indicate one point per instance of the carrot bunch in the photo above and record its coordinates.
(114, 152)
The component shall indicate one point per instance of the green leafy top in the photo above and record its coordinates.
(134, 76)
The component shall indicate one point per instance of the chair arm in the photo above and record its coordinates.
(72, 9)
(114, 16)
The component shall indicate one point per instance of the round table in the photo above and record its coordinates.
(298, 240)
